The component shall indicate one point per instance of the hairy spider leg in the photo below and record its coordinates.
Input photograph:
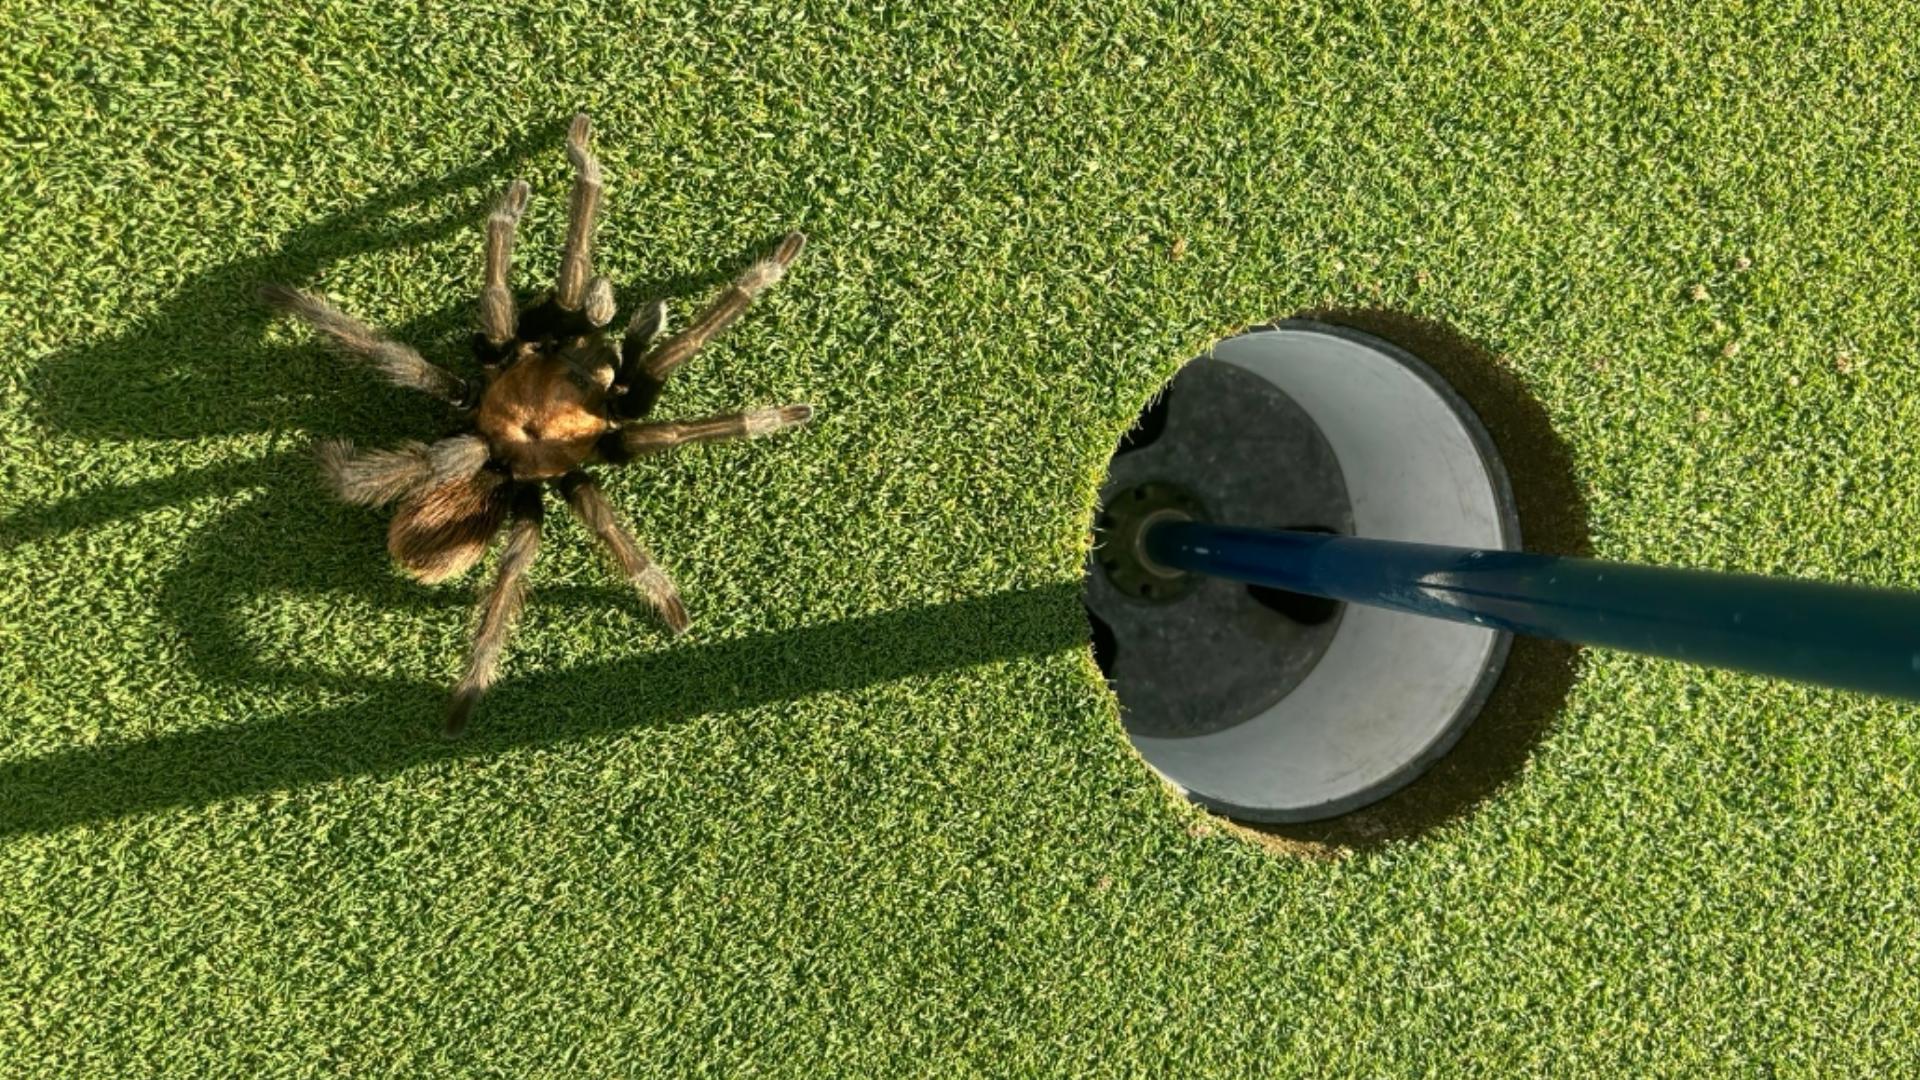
(646, 375)
(401, 364)
(572, 287)
(630, 558)
(496, 295)
(498, 609)
(378, 477)
(638, 440)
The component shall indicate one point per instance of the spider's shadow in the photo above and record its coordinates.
(200, 366)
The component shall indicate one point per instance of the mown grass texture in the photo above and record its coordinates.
(875, 814)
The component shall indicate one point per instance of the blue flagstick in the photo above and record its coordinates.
(1845, 636)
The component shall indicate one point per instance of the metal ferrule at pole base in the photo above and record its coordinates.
(1844, 636)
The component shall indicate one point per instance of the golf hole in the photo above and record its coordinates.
(1270, 706)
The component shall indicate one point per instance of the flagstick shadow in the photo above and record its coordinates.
(384, 732)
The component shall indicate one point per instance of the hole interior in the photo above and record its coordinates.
(1298, 607)
(1398, 437)
(1105, 647)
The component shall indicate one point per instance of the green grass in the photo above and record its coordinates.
(875, 814)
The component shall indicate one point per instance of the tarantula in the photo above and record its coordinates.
(556, 393)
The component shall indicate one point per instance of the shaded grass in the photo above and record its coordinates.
(875, 816)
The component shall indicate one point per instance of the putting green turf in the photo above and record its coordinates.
(875, 815)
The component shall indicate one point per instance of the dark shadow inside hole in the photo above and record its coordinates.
(1151, 425)
(1105, 648)
(1298, 607)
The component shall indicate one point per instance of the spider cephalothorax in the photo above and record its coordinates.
(556, 393)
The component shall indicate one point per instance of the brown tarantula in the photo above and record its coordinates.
(556, 392)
